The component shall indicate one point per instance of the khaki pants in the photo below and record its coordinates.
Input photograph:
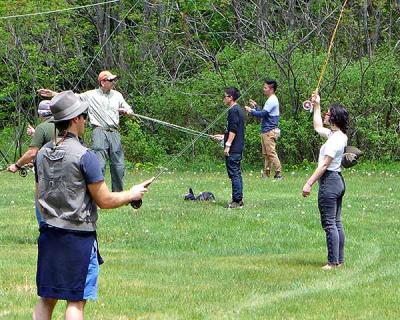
(268, 144)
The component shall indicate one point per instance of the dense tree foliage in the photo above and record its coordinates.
(175, 57)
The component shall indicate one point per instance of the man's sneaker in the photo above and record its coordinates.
(234, 205)
(278, 176)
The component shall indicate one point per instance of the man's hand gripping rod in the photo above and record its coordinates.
(136, 204)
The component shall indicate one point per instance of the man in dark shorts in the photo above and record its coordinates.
(70, 186)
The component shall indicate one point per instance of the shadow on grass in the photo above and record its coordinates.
(300, 261)
(306, 262)
(216, 203)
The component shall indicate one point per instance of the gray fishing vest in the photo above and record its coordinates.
(63, 197)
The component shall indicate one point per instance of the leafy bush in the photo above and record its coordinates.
(140, 147)
(196, 103)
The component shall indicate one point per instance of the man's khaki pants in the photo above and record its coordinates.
(268, 144)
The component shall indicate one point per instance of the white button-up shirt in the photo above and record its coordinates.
(103, 107)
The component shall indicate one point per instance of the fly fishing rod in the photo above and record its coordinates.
(307, 105)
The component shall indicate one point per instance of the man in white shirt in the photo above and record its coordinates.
(105, 107)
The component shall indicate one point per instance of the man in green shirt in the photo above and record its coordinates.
(44, 132)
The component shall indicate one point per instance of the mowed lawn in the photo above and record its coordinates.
(188, 260)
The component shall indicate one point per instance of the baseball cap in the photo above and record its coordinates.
(106, 75)
(44, 108)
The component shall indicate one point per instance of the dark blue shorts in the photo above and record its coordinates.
(68, 264)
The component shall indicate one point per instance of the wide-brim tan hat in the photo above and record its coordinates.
(66, 106)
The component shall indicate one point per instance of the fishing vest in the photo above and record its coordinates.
(63, 197)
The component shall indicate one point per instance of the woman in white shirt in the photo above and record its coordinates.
(331, 183)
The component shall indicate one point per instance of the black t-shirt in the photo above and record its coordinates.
(235, 123)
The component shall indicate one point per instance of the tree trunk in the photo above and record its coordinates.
(103, 26)
(146, 29)
(239, 34)
(366, 28)
(261, 22)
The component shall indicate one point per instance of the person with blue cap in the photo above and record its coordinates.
(41, 135)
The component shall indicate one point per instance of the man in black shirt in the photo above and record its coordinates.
(233, 145)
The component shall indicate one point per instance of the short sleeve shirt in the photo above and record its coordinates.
(334, 148)
(91, 169)
(44, 133)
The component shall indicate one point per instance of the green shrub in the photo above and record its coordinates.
(140, 147)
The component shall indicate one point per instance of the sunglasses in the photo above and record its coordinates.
(84, 115)
(113, 80)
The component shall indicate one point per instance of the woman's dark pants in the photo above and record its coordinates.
(330, 195)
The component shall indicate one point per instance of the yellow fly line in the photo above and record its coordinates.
(307, 104)
(323, 69)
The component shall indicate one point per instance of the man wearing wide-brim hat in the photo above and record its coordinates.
(105, 107)
(70, 186)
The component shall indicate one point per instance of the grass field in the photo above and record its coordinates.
(182, 260)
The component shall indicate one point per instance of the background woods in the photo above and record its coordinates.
(175, 57)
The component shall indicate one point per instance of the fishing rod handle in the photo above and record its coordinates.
(136, 204)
